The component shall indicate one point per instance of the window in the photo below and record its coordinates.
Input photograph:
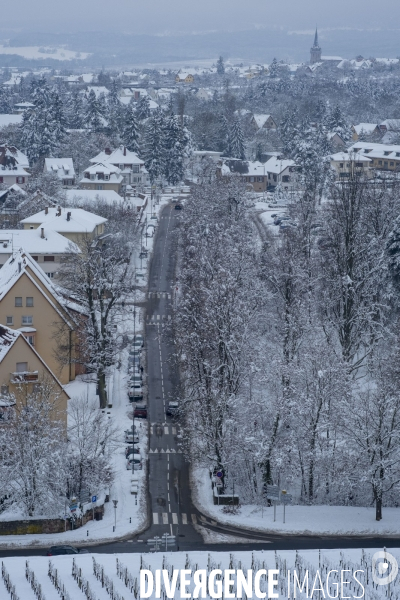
(48, 258)
(286, 178)
(392, 164)
(385, 163)
(252, 179)
(20, 179)
(35, 258)
(9, 320)
(50, 275)
(93, 177)
(29, 301)
(99, 187)
(121, 167)
(21, 367)
(341, 165)
(18, 300)
(359, 165)
(135, 168)
(30, 339)
(380, 162)
(1, 180)
(27, 320)
(106, 177)
(260, 179)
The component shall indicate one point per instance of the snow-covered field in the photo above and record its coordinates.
(116, 576)
(317, 520)
(35, 52)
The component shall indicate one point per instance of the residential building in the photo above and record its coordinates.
(283, 172)
(252, 173)
(30, 304)
(7, 120)
(263, 122)
(365, 129)
(13, 165)
(46, 246)
(383, 157)
(336, 140)
(21, 366)
(131, 167)
(21, 107)
(73, 223)
(348, 163)
(102, 176)
(63, 168)
(183, 77)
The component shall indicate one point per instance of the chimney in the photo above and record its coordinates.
(46, 210)
(58, 214)
(68, 216)
(107, 151)
(124, 151)
(19, 267)
(42, 233)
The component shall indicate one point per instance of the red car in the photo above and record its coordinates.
(140, 412)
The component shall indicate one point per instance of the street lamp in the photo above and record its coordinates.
(115, 513)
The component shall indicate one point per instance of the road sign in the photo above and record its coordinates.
(219, 474)
(94, 499)
(286, 498)
(271, 492)
(73, 507)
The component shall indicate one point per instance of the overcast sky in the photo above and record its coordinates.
(186, 16)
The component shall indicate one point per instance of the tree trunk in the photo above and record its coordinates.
(378, 507)
(101, 384)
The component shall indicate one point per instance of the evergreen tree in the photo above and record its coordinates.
(114, 109)
(59, 117)
(130, 135)
(223, 135)
(393, 252)
(143, 108)
(274, 68)
(75, 111)
(176, 141)
(236, 140)
(93, 112)
(6, 105)
(336, 123)
(220, 66)
(153, 148)
(38, 128)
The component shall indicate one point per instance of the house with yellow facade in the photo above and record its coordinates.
(73, 223)
(30, 304)
(183, 77)
(22, 369)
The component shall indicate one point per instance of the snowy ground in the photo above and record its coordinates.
(35, 52)
(126, 585)
(316, 520)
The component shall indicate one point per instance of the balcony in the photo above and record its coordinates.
(24, 377)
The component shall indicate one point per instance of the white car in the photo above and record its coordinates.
(137, 462)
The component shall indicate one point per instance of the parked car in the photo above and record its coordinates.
(131, 439)
(131, 450)
(172, 409)
(279, 220)
(58, 550)
(139, 338)
(140, 411)
(140, 276)
(136, 346)
(178, 207)
(137, 462)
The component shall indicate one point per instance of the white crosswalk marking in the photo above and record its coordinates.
(158, 317)
(166, 430)
(151, 430)
(165, 518)
(184, 519)
(155, 518)
(169, 317)
(194, 519)
(174, 519)
(173, 430)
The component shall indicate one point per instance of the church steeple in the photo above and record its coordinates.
(315, 50)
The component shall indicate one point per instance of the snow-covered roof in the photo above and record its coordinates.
(13, 188)
(62, 167)
(391, 124)
(98, 90)
(108, 196)
(6, 120)
(12, 154)
(387, 61)
(32, 242)
(8, 337)
(365, 127)
(385, 151)
(261, 119)
(349, 156)
(118, 156)
(102, 166)
(277, 166)
(80, 221)
(184, 75)
(334, 58)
